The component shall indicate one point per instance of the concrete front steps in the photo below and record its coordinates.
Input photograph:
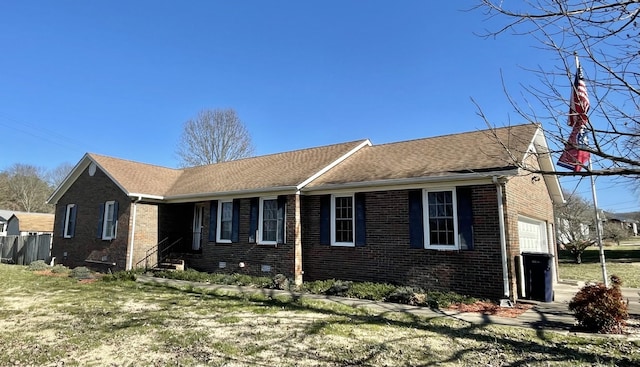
(171, 264)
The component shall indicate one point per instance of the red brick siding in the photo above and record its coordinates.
(525, 196)
(88, 192)
(387, 256)
(280, 258)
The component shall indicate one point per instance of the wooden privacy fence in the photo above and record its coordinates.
(23, 250)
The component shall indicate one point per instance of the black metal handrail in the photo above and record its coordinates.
(150, 252)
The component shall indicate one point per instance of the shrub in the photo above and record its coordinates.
(369, 290)
(58, 269)
(81, 272)
(599, 308)
(280, 281)
(438, 299)
(405, 295)
(38, 265)
(318, 286)
(339, 288)
(120, 276)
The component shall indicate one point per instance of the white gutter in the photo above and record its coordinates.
(222, 194)
(472, 177)
(503, 239)
(133, 233)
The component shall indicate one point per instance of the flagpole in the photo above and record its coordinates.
(598, 231)
(595, 207)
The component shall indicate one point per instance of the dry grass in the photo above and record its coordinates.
(53, 321)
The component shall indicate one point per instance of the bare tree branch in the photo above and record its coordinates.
(606, 34)
(214, 136)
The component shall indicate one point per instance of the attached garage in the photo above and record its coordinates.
(532, 235)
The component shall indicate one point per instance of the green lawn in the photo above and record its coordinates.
(623, 261)
(53, 321)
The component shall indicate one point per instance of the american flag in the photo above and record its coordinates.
(573, 157)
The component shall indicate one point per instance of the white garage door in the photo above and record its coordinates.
(532, 235)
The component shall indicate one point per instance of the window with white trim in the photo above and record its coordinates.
(440, 219)
(342, 220)
(225, 221)
(268, 221)
(70, 221)
(110, 221)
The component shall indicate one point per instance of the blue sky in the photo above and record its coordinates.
(120, 78)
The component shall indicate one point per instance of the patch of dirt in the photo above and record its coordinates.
(489, 308)
(49, 273)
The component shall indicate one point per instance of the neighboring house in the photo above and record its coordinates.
(4, 217)
(446, 213)
(23, 224)
(627, 221)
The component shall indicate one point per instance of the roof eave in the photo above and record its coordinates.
(236, 194)
(541, 148)
(375, 185)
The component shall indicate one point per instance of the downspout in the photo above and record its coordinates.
(503, 239)
(133, 233)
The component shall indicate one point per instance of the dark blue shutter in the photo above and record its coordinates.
(62, 213)
(465, 217)
(253, 219)
(115, 219)
(416, 224)
(325, 220)
(282, 205)
(361, 228)
(213, 220)
(100, 220)
(235, 221)
(72, 221)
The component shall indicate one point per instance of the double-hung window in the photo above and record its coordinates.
(342, 220)
(70, 221)
(110, 220)
(440, 219)
(268, 225)
(225, 221)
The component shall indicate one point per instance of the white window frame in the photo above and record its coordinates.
(109, 209)
(67, 219)
(219, 238)
(260, 221)
(333, 220)
(425, 216)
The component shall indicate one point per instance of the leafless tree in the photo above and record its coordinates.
(58, 174)
(214, 136)
(574, 218)
(606, 35)
(26, 189)
(615, 232)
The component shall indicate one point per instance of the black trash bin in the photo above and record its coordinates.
(538, 280)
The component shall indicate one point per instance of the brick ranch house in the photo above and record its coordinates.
(446, 213)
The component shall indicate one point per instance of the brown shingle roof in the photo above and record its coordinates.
(35, 222)
(287, 169)
(437, 156)
(137, 177)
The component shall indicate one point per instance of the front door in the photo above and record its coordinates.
(198, 217)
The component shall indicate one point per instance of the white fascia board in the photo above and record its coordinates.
(149, 197)
(239, 194)
(334, 163)
(540, 147)
(71, 177)
(463, 179)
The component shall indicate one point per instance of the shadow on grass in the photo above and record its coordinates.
(622, 254)
(537, 349)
